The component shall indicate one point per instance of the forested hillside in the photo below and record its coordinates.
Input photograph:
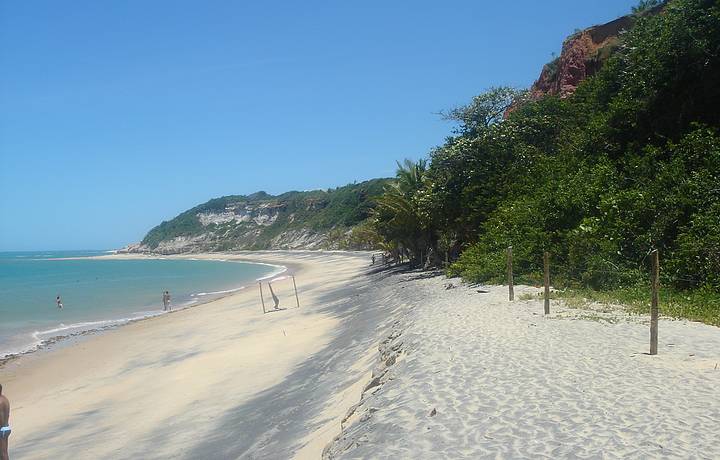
(313, 219)
(627, 163)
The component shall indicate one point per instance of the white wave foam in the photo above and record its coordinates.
(279, 278)
(87, 325)
(45, 336)
(228, 291)
(280, 269)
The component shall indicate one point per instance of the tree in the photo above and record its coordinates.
(646, 5)
(484, 110)
(399, 216)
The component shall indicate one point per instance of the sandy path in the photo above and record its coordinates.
(206, 382)
(506, 382)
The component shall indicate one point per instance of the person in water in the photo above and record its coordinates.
(4, 426)
(58, 301)
(166, 300)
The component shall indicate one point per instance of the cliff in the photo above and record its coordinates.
(583, 54)
(309, 220)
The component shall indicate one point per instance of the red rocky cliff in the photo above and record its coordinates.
(583, 53)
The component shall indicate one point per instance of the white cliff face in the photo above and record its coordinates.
(299, 239)
(294, 220)
(176, 245)
(239, 226)
(264, 214)
(291, 239)
(183, 244)
(209, 218)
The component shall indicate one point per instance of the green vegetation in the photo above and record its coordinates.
(333, 213)
(646, 5)
(695, 304)
(629, 163)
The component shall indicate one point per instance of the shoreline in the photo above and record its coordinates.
(225, 354)
(59, 340)
(193, 300)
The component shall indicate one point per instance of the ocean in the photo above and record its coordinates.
(100, 293)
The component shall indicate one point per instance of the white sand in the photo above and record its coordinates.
(220, 380)
(506, 382)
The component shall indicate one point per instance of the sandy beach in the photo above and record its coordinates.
(221, 380)
(376, 364)
(467, 374)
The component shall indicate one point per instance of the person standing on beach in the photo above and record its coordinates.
(58, 301)
(166, 301)
(4, 426)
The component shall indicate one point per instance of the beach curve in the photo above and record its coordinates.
(197, 369)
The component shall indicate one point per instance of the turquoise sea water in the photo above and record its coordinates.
(97, 294)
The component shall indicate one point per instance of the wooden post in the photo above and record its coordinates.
(511, 288)
(261, 296)
(546, 263)
(297, 299)
(654, 309)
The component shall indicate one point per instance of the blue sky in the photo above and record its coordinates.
(117, 115)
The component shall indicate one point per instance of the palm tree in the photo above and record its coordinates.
(410, 175)
(399, 217)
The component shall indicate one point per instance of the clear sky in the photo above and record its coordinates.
(116, 115)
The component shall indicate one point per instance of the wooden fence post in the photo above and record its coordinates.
(546, 264)
(511, 289)
(654, 309)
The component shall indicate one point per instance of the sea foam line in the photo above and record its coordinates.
(92, 325)
(227, 291)
(55, 334)
(280, 269)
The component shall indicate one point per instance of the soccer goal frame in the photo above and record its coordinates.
(277, 307)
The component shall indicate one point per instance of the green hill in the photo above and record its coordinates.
(311, 219)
